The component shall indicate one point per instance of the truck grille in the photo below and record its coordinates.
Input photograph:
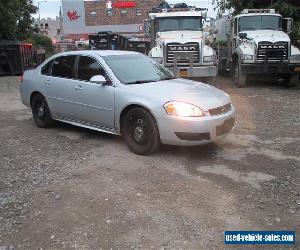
(272, 51)
(186, 47)
(220, 110)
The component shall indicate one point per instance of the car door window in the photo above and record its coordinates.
(46, 69)
(63, 66)
(88, 67)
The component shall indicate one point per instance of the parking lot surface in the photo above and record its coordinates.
(69, 187)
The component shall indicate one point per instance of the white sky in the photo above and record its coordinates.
(51, 7)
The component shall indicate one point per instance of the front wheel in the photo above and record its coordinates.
(239, 77)
(140, 131)
(40, 112)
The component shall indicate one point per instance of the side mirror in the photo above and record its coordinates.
(287, 25)
(99, 79)
(146, 27)
(228, 27)
(242, 35)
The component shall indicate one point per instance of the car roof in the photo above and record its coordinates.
(99, 52)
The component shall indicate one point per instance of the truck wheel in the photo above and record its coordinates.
(140, 131)
(41, 113)
(239, 77)
(292, 80)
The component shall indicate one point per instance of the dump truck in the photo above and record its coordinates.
(256, 42)
(177, 41)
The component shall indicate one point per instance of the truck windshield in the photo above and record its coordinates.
(260, 22)
(137, 69)
(182, 23)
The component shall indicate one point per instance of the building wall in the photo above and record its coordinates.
(50, 27)
(90, 16)
(96, 13)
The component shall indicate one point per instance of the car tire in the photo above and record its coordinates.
(239, 77)
(41, 113)
(140, 131)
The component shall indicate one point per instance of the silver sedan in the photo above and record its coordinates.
(126, 93)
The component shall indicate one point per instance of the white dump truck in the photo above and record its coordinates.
(256, 42)
(177, 41)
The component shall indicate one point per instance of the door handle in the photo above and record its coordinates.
(78, 87)
(48, 82)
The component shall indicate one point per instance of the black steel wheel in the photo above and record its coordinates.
(40, 112)
(140, 131)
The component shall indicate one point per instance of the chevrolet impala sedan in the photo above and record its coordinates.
(126, 93)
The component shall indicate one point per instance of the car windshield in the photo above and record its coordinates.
(136, 69)
(260, 22)
(182, 23)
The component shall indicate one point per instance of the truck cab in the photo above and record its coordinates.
(177, 41)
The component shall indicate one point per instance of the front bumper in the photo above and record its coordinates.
(271, 68)
(192, 131)
(203, 71)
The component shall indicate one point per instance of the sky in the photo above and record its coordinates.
(51, 7)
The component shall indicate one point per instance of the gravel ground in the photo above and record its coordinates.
(69, 187)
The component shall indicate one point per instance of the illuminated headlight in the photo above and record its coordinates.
(295, 57)
(209, 58)
(157, 59)
(183, 109)
(246, 57)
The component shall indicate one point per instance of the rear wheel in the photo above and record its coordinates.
(140, 131)
(239, 77)
(40, 112)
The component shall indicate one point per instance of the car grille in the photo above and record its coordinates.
(272, 51)
(186, 47)
(220, 110)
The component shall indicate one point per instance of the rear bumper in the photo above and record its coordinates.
(203, 71)
(271, 68)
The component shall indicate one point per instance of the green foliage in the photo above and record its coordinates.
(41, 42)
(15, 19)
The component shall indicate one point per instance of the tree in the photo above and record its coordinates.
(15, 19)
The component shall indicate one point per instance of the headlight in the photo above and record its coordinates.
(157, 59)
(246, 57)
(183, 109)
(295, 57)
(209, 58)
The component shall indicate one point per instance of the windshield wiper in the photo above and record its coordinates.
(140, 82)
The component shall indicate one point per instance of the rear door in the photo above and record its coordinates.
(60, 87)
(94, 102)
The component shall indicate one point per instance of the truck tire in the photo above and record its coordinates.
(292, 80)
(239, 77)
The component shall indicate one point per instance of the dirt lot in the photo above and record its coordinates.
(69, 187)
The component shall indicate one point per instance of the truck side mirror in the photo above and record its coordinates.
(287, 25)
(147, 27)
(228, 27)
(243, 35)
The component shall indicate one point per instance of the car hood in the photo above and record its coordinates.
(203, 95)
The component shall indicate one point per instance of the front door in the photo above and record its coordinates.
(94, 103)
